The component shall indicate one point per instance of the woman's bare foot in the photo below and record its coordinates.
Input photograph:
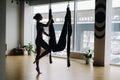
(39, 73)
(35, 61)
(37, 69)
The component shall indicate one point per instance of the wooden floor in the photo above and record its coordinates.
(22, 68)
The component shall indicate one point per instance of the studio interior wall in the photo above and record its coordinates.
(12, 25)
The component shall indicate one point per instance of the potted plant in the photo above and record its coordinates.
(29, 48)
(88, 55)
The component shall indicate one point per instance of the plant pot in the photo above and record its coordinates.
(87, 60)
(29, 52)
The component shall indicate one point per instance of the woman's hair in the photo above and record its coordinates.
(37, 16)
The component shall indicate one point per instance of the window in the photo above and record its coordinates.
(85, 25)
(88, 40)
(58, 16)
(115, 38)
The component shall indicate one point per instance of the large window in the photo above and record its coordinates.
(82, 22)
(84, 32)
(82, 15)
(58, 16)
(115, 38)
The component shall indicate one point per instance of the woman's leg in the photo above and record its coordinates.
(47, 50)
(38, 50)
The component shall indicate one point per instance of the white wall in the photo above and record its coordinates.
(18, 24)
(2, 38)
(12, 25)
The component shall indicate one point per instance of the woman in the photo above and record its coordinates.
(39, 39)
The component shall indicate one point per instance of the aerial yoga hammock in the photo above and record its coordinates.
(65, 37)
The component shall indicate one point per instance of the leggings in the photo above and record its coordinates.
(43, 44)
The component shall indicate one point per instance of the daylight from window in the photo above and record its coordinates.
(115, 38)
(83, 25)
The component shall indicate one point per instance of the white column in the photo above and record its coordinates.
(28, 24)
(100, 34)
(102, 26)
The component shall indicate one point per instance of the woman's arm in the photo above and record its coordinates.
(48, 23)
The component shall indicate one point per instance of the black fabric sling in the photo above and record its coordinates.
(65, 36)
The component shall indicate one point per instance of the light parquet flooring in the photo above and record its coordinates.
(22, 68)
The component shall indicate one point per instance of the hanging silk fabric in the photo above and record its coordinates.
(65, 37)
